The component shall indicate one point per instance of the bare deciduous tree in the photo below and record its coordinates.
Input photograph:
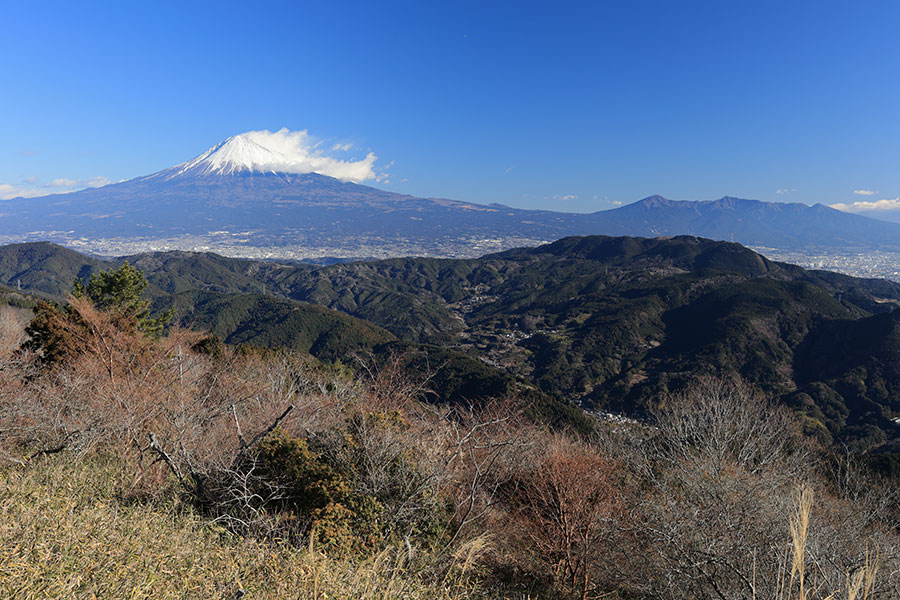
(573, 510)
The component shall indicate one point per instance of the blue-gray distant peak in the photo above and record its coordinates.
(654, 201)
(787, 226)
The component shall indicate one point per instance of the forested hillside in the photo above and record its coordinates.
(604, 323)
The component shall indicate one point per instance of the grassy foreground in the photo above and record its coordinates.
(66, 531)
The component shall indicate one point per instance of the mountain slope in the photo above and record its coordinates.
(268, 322)
(48, 269)
(618, 322)
(750, 222)
(43, 268)
(241, 197)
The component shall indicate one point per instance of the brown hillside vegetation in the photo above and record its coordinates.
(137, 466)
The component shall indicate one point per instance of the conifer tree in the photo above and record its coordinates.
(120, 292)
(117, 292)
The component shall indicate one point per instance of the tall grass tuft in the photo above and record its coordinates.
(858, 586)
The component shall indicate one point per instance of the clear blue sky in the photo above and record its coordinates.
(571, 106)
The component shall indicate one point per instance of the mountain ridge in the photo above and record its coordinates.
(241, 198)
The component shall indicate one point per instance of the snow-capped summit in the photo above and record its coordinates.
(237, 153)
(282, 152)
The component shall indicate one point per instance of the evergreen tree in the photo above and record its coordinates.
(117, 292)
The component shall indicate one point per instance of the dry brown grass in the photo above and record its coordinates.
(12, 328)
(66, 533)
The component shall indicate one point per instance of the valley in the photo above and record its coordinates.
(593, 323)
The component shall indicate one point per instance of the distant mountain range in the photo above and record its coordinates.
(751, 222)
(228, 199)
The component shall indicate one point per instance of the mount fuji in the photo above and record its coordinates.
(244, 197)
(236, 154)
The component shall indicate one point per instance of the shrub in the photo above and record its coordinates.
(376, 451)
(292, 478)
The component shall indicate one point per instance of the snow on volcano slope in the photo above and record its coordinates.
(283, 151)
(237, 153)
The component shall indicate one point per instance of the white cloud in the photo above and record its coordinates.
(865, 192)
(564, 197)
(616, 202)
(8, 191)
(342, 147)
(864, 205)
(784, 191)
(302, 153)
(31, 187)
(62, 182)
